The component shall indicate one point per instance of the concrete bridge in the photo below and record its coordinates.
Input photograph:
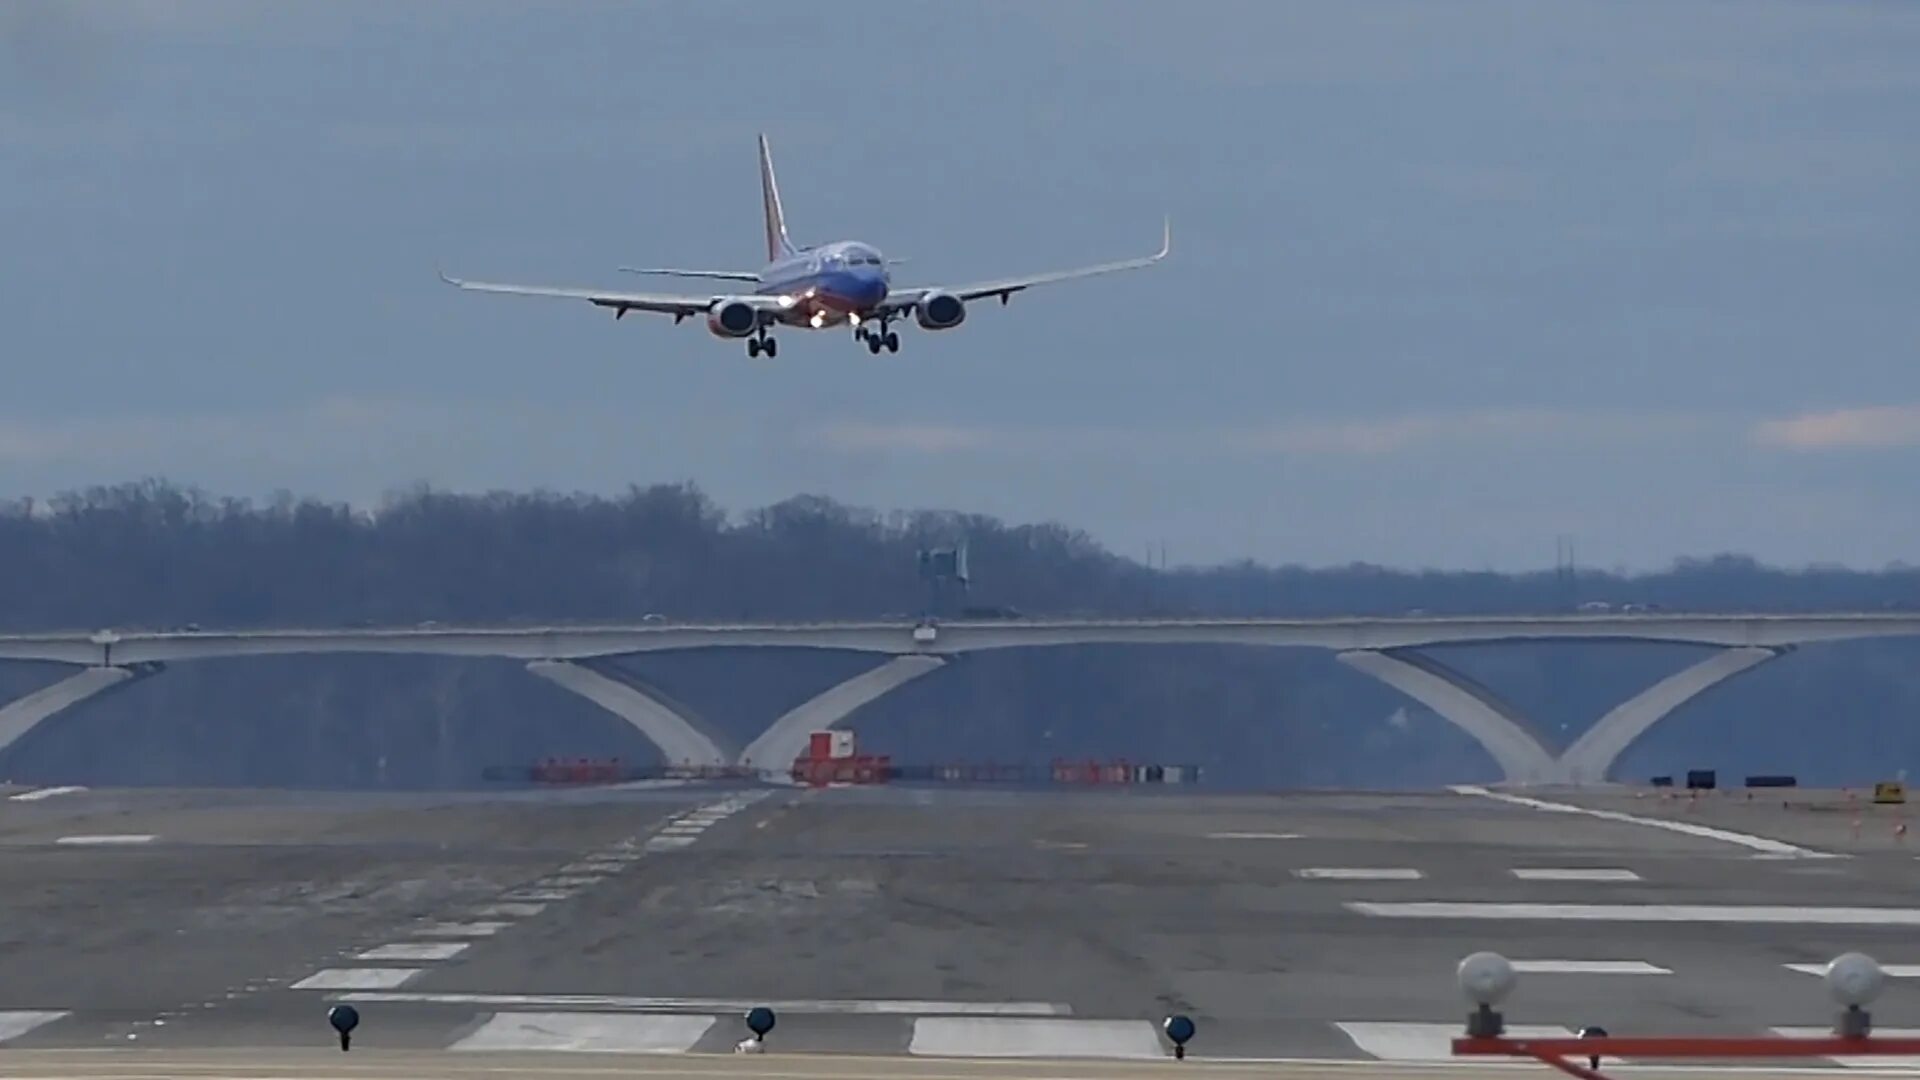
(1384, 648)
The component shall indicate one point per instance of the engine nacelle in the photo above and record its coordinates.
(939, 311)
(732, 318)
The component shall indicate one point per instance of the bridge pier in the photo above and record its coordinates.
(679, 740)
(786, 738)
(1521, 754)
(23, 715)
(1516, 746)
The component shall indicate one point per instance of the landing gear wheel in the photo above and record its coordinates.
(770, 347)
(873, 345)
(893, 342)
(753, 347)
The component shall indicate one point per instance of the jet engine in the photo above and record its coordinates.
(939, 311)
(732, 318)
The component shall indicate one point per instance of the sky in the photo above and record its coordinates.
(1449, 280)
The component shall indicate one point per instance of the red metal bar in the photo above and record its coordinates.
(1686, 1046)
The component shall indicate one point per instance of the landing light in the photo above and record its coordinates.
(819, 320)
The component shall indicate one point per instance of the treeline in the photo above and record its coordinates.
(155, 555)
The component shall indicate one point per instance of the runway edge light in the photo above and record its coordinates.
(344, 1018)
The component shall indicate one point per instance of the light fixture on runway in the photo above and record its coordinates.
(760, 1020)
(344, 1019)
(1855, 981)
(1486, 978)
(1179, 1030)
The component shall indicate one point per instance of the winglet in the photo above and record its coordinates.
(445, 278)
(1166, 238)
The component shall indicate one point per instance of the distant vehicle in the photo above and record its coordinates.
(653, 616)
(845, 283)
(1596, 606)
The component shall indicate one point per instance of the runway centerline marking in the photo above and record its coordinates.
(107, 839)
(1662, 913)
(1574, 873)
(1360, 873)
(1761, 844)
(1255, 836)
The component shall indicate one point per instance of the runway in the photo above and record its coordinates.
(905, 925)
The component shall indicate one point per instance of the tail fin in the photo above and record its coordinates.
(778, 246)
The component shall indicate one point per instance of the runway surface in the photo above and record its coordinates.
(931, 925)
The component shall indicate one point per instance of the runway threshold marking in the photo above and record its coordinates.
(1657, 913)
(356, 978)
(18, 1022)
(1588, 967)
(415, 950)
(1778, 849)
(629, 1033)
(1001, 1037)
(625, 1003)
(46, 793)
(1428, 1042)
(462, 929)
(1575, 873)
(1875, 1061)
(1893, 971)
(107, 839)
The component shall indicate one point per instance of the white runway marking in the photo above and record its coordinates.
(595, 866)
(459, 929)
(1588, 967)
(509, 911)
(415, 950)
(668, 843)
(1254, 836)
(570, 882)
(589, 1032)
(1575, 873)
(47, 793)
(1775, 848)
(1875, 1061)
(356, 979)
(1428, 1042)
(622, 1003)
(107, 839)
(1667, 913)
(538, 895)
(1893, 971)
(995, 1037)
(18, 1023)
(1385, 873)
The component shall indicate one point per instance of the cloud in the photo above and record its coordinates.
(1877, 426)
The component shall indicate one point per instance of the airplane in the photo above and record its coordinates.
(846, 283)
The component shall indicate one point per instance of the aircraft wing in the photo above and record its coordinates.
(901, 299)
(679, 306)
(675, 271)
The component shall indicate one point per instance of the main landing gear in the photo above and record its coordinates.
(763, 344)
(877, 340)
